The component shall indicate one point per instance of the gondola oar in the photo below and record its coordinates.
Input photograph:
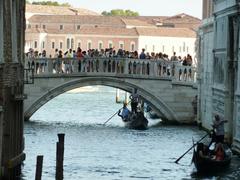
(114, 115)
(190, 148)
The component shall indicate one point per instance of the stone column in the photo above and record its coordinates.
(1, 31)
(12, 86)
(236, 115)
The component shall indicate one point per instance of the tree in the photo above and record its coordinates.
(120, 12)
(51, 3)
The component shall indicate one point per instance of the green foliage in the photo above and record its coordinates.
(120, 12)
(51, 3)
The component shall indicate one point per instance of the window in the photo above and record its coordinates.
(78, 27)
(44, 26)
(53, 45)
(100, 45)
(68, 43)
(132, 46)
(110, 44)
(72, 43)
(89, 45)
(121, 45)
(153, 48)
(35, 44)
(61, 27)
(60, 45)
(79, 44)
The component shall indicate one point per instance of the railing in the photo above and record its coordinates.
(125, 66)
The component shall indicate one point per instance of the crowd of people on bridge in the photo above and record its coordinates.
(63, 61)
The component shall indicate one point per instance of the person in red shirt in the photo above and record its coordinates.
(79, 57)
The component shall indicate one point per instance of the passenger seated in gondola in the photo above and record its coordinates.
(202, 150)
(125, 112)
(219, 152)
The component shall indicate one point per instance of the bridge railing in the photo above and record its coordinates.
(126, 66)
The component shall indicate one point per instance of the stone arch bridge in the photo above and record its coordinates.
(168, 87)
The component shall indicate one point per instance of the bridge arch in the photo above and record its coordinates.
(162, 109)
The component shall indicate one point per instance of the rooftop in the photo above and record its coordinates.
(57, 10)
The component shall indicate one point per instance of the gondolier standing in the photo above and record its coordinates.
(218, 125)
(134, 100)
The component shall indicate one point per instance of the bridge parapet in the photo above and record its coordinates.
(153, 68)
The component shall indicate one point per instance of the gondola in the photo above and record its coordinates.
(136, 121)
(209, 164)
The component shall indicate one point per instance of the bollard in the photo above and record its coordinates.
(38, 175)
(117, 95)
(59, 157)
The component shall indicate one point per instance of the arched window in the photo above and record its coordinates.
(60, 45)
(146, 47)
(89, 45)
(35, 44)
(153, 48)
(132, 48)
(121, 45)
(68, 43)
(184, 46)
(72, 43)
(79, 44)
(53, 45)
(110, 44)
(100, 45)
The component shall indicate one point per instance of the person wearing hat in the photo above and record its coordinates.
(125, 112)
(134, 100)
(218, 125)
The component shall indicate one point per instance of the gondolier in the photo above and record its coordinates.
(134, 100)
(218, 125)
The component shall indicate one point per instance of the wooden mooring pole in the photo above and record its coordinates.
(38, 175)
(59, 157)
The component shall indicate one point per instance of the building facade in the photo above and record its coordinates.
(155, 34)
(219, 89)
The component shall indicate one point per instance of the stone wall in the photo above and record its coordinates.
(220, 58)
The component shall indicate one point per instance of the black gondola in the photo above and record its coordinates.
(208, 163)
(136, 121)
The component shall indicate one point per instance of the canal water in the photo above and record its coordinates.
(111, 152)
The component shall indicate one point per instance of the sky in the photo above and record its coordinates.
(143, 7)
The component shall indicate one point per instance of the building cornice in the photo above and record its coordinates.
(91, 35)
